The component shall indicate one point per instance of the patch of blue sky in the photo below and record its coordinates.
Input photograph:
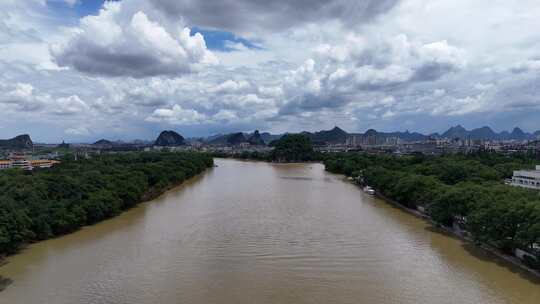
(224, 41)
(215, 40)
(88, 7)
(80, 9)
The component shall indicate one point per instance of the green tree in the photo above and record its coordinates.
(293, 147)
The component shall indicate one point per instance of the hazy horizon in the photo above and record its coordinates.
(125, 139)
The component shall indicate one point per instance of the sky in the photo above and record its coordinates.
(81, 70)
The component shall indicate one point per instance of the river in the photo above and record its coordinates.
(249, 232)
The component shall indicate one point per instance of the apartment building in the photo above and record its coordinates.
(527, 178)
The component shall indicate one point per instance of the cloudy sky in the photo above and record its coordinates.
(80, 70)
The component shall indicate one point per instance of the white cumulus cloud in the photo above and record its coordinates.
(176, 116)
(79, 131)
(118, 42)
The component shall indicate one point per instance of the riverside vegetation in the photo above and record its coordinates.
(468, 188)
(289, 148)
(50, 202)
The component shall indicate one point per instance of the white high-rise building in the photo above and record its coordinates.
(527, 178)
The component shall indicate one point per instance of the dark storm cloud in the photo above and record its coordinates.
(88, 58)
(521, 94)
(312, 103)
(433, 70)
(264, 15)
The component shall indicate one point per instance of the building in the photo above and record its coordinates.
(5, 164)
(424, 147)
(43, 163)
(354, 140)
(21, 162)
(527, 178)
(371, 139)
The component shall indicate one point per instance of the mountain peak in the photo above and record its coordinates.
(169, 138)
(456, 132)
(18, 142)
(517, 133)
(236, 138)
(517, 130)
(333, 136)
(103, 142)
(371, 132)
(485, 132)
(256, 139)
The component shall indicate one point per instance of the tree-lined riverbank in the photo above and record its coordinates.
(51, 202)
(462, 190)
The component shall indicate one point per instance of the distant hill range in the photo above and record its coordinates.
(339, 136)
(120, 145)
(405, 136)
(232, 139)
(169, 139)
(165, 139)
(219, 140)
(256, 138)
(268, 138)
(104, 142)
(19, 142)
(487, 133)
(334, 136)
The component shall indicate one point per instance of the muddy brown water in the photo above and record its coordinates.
(249, 232)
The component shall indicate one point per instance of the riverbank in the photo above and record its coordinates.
(148, 196)
(486, 247)
(4, 283)
(50, 203)
(461, 191)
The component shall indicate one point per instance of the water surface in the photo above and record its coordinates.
(249, 232)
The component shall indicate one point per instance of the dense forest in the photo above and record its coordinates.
(50, 202)
(467, 188)
(292, 148)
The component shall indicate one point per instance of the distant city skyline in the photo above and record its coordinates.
(81, 70)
